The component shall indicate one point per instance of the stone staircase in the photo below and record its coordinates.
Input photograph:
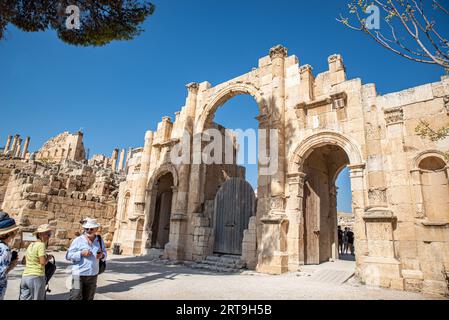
(221, 264)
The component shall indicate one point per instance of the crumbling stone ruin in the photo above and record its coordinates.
(59, 187)
(325, 122)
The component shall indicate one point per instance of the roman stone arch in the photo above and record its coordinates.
(426, 154)
(162, 170)
(307, 146)
(153, 204)
(303, 236)
(430, 184)
(229, 91)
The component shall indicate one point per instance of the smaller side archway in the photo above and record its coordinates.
(430, 183)
(312, 201)
(161, 197)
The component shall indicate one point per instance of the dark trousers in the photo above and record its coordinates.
(83, 288)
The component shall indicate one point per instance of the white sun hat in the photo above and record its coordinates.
(90, 223)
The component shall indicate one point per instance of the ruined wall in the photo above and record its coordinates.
(62, 195)
(64, 146)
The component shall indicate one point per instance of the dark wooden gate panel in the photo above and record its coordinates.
(234, 206)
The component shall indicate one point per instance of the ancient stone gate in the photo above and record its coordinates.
(324, 123)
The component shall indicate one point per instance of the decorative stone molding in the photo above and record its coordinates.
(178, 217)
(334, 58)
(339, 100)
(278, 52)
(277, 203)
(273, 219)
(393, 116)
(382, 214)
(305, 68)
(307, 145)
(377, 195)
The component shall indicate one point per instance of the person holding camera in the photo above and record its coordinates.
(8, 258)
(87, 252)
(32, 286)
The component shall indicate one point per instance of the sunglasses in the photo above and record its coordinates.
(90, 229)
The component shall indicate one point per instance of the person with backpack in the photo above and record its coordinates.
(8, 258)
(33, 284)
(88, 255)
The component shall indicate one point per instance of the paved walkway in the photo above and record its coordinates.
(137, 278)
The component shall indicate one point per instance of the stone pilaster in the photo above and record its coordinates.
(294, 210)
(278, 55)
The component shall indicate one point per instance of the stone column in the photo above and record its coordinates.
(294, 210)
(17, 150)
(143, 174)
(25, 147)
(122, 160)
(114, 160)
(188, 192)
(181, 206)
(14, 145)
(8, 145)
(278, 55)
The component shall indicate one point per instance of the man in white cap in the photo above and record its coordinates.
(85, 252)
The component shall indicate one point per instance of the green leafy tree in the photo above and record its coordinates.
(100, 21)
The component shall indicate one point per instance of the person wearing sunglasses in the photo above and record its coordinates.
(85, 253)
(33, 284)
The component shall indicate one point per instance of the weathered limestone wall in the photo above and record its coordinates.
(62, 195)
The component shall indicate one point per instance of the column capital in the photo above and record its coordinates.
(278, 51)
(193, 87)
(357, 167)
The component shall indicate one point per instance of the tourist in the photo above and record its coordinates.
(33, 284)
(8, 259)
(340, 240)
(85, 252)
(345, 241)
(351, 241)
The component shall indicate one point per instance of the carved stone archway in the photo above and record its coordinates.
(222, 96)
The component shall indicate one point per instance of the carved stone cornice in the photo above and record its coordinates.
(278, 51)
(338, 101)
(167, 143)
(379, 214)
(394, 116)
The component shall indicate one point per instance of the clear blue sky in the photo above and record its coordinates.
(116, 93)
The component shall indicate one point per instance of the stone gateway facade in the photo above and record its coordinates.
(324, 123)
